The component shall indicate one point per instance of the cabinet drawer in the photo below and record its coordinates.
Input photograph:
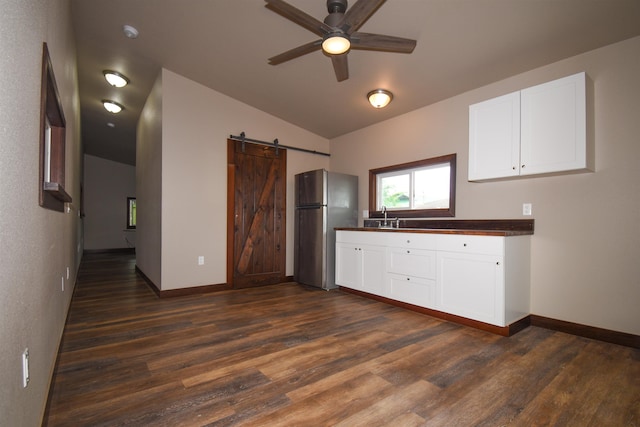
(361, 237)
(487, 245)
(412, 262)
(412, 290)
(412, 240)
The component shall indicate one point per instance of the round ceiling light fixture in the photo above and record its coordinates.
(130, 32)
(112, 106)
(379, 98)
(115, 79)
(336, 43)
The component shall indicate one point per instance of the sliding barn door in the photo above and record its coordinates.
(257, 195)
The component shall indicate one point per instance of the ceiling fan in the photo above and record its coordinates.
(339, 33)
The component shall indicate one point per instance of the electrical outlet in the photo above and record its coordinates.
(526, 209)
(25, 367)
(200, 260)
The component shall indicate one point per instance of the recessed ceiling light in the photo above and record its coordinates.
(379, 98)
(112, 106)
(115, 79)
(130, 32)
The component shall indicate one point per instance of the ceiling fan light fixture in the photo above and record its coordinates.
(336, 43)
(115, 79)
(379, 98)
(112, 106)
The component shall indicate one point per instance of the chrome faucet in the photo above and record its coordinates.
(384, 211)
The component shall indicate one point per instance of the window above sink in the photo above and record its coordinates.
(420, 189)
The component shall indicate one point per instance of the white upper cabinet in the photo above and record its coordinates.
(494, 137)
(539, 130)
(553, 126)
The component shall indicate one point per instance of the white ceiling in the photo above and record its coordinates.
(224, 45)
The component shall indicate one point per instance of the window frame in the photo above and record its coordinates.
(449, 159)
(129, 225)
(52, 194)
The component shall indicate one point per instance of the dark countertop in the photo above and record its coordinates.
(480, 227)
(504, 233)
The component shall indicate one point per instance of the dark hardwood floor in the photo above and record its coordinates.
(295, 356)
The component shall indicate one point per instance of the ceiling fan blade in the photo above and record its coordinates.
(358, 14)
(366, 41)
(296, 52)
(299, 17)
(340, 66)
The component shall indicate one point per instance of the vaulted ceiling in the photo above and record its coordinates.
(225, 44)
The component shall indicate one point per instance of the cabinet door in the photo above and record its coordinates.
(471, 285)
(553, 121)
(494, 138)
(373, 269)
(361, 267)
(348, 265)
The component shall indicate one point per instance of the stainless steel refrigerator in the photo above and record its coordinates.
(324, 200)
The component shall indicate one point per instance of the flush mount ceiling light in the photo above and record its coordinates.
(112, 106)
(379, 98)
(115, 79)
(130, 32)
(336, 43)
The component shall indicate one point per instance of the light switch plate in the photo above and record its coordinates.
(526, 209)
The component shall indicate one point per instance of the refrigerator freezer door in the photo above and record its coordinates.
(311, 188)
(310, 247)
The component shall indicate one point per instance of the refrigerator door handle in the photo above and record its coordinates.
(309, 207)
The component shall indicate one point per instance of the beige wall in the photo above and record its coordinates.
(107, 184)
(196, 122)
(584, 260)
(149, 185)
(36, 245)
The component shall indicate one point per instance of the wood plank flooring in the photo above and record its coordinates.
(289, 355)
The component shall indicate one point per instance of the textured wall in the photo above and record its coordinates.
(37, 246)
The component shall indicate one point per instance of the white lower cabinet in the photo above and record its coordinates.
(373, 258)
(360, 266)
(484, 278)
(472, 286)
